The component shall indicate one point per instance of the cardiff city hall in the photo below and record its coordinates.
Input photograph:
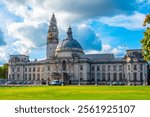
(66, 62)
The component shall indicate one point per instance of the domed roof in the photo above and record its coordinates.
(69, 44)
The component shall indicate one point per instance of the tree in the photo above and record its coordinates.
(146, 39)
(4, 71)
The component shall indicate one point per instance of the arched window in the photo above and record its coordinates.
(64, 65)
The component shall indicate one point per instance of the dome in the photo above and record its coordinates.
(69, 44)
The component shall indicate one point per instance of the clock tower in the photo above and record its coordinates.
(52, 38)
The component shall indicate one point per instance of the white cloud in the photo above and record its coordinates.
(118, 51)
(132, 22)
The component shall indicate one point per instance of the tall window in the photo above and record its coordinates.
(33, 68)
(18, 69)
(103, 68)
(29, 69)
(103, 76)
(115, 76)
(38, 77)
(120, 77)
(98, 76)
(81, 76)
(25, 69)
(42, 68)
(81, 67)
(93, 76)
(108, 67)
(141, 67)
(25, 76)
(97, 68)
(128, 67)
(33, 76)
(64, 65)
(115, 68)
(141, 76)
(18, 75)
(93, 68)
(120, 67)
(108, 75)
(48, 68)
(135, 76)
(38, 69)
(29, 76)
(135, 67)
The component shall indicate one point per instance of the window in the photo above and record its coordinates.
(38, 69)
(120, 67)
(141, 76)
(18, 76)
(48, 68)
(128, 67)
(25, 76)
(108, 67)
(97, 68)
(93, 76)
(93, 68)
(29, 69)
(108, 75)
(98, 76)
(115, 77)
(81, 76)
(135, 67)
(103, 76)
(120, 77)
(103, 68)
(29, 76)
(115, 68)
(64, 65)
(42, 68)
(38, 77)
(141, 67)
(18, 69)
(33, 68)
(13, 76)
(81, 67)
(33, 76)
(134, 76)
(25, 69)
(12, 69)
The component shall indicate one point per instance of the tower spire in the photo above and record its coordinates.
(53, 21)
(69, 33)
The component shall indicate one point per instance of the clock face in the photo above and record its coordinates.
(50, 36)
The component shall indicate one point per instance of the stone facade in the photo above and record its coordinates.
(67, 62)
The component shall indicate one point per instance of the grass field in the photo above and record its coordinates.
(75, 93)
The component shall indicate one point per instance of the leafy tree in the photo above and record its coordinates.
(146, 39)
(4, 71)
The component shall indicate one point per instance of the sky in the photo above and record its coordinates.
(100, 26)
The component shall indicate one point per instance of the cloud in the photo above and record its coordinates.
(132, 22)
(118, 51)
(87, 37)
(2, 42)
(72, 10)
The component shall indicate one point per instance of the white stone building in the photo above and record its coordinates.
(67, 62)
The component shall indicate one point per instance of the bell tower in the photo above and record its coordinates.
(52, 38)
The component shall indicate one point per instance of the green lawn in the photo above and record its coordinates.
(75, 93)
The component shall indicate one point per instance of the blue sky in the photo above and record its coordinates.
(100, 26)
